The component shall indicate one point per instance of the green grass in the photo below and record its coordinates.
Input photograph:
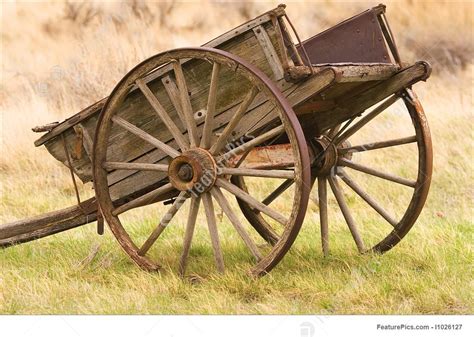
(430, 271)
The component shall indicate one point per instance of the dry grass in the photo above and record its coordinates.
(59, 57)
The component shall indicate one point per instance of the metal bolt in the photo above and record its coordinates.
(185, 172)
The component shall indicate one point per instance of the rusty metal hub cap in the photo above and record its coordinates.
(194, 170)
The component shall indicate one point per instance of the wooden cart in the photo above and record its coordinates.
(254, 115)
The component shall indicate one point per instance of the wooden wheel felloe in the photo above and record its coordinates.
(200, 146)
(349, 156)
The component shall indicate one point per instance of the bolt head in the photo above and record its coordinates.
(185, 172)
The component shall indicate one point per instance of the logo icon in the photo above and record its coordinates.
(307, 329)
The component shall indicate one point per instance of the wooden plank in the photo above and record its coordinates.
(135, 166)
(361, 72)
(270, 52)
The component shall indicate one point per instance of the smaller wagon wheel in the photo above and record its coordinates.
(349, 155)
(202, 146)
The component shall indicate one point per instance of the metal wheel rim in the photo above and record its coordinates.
(289, 120)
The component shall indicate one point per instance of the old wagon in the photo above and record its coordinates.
(259, 116)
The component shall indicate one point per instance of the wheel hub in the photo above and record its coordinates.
(325, 156)
(194, 170)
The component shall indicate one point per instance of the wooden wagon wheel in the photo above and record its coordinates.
(201, 149)
(334, 151)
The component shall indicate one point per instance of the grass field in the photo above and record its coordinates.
(58, 58)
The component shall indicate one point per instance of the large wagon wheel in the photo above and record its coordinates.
(200, 150)
(335, 153)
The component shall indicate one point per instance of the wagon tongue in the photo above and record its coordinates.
(48, 224)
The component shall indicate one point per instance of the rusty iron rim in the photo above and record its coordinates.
(287, 117)
(425, 171)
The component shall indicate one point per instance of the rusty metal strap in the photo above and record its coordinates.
(68, 157)
(285, 43)
(300, 44)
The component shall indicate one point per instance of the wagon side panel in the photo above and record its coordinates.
(258, 44)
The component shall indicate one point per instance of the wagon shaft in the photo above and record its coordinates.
(48, 224)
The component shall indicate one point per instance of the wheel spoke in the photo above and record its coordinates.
(352, 184)
(144, 199)
(211, 108)
(112, 165)
(186, 103)
(252, 143)
(173, 94)
(378, 145)
(346, 213)
(145, 136)
(224, 204)
(371, 115)
(333, 131)
(179, 201)
(251, 201)
(221, 141)
(277, 192)
(283, 174)
(211, 223)
(161, 112)
(371, 171)
(323, 213)
(188, 236)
